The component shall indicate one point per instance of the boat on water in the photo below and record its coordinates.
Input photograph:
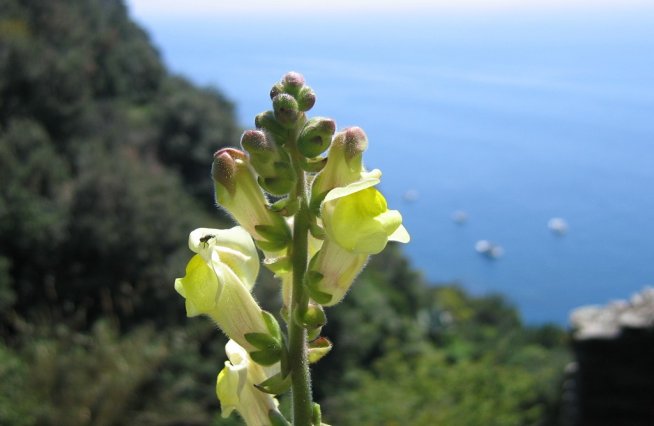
(411, 195)
(558, 226)
(459, 217)
(489, 249)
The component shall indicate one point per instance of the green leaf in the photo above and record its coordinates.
(267, 357)
(273, 326)
(279, 205)
(262, 341)
(316, 230)
(273, 233)
(278, 266)
(313, 165)
(275, 385)
(276, 419)
(271, 245)
(312, 279)
(276, 185)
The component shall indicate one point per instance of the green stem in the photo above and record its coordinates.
(297, 335)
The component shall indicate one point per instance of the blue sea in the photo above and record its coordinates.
(512, 118)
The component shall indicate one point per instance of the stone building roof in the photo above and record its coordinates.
(607, 322)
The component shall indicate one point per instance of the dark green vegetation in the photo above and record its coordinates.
(104, 169)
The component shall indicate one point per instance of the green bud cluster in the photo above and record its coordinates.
(270, 161)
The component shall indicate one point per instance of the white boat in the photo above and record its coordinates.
(411, 195)
(558, 225)
(489, 249)
(459, 217)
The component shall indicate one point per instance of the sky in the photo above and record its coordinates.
(206, 8)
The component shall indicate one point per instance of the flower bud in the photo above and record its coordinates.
(235, 388)
(292, 82)
(266, 121)
(316, 136)
(286, 110)
(276, 90)
(219, 279)
(237, 191)
(344, 164)
(318, 349)
(271, 162)
(306, 99)
(312, 317)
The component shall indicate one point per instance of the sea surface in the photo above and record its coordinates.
(514, 119)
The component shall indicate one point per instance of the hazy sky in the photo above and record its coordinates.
(203, 8)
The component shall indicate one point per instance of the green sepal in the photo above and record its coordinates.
(271, 245)
(284, 366)
(263, 341)
(278, 266)
(316, 230)
(316, 415)
(291, 208)
(273, 233)
(313, 333)
(275, 385)
(311, 317)
(283, 167)
(313, 278)
(279, 205)
(286, 206)
(318, 349)
(266, 120)
(316, 200)
(272, 325)
(283, 312)
(267, 357)
(276, 185)
(313, 165)
(277, 419)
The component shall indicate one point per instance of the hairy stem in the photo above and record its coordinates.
(301, 378)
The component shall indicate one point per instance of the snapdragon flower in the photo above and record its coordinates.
(235, 387)
(219, 279)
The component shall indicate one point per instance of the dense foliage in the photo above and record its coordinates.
(100, 147)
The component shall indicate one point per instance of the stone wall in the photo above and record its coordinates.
(611, 381)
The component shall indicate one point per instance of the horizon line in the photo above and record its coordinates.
(211, 8)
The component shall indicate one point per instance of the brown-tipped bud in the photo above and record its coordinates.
(344, 163)
(255, 141)
(354, 141)
(223, 169)
(316, 136)
(306, 98)
(286, 110)
(237, 191)
(293, 82)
